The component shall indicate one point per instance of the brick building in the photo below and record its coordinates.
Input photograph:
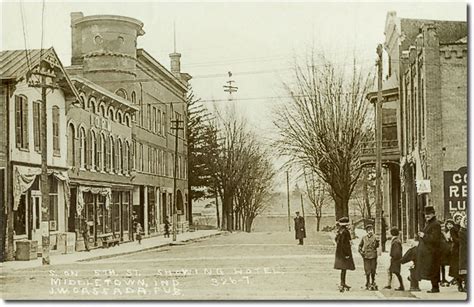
(104, 51)
(426, 87)
(21, 141)
(100, 164)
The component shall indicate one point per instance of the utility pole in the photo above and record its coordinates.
(378, 145)
(230, 88)
(302, 206)
(176, 128)
(47, 77)
(288, 194)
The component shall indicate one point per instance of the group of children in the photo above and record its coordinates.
(451, 250)
(368, 248)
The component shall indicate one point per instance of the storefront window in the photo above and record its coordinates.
(89, 201)
(19, 217)
(125, 210)
(116, 211)
(53, 203)
(101, 215)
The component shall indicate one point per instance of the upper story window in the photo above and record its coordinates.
(102, 110)
(37, 125)
(82, 148)
(111, 114)
(119, 117)
(122, 93)
(134, 97)
(55, 116)
(21, 122)
(92, 106)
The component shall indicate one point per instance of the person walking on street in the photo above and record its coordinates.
(446, 245)
(139, 233)
(368, 249)
(167, 228)
(300, 230)
(85, 234)
(396, 252)
(463, 246)
(134, 224)
(344, 260)
(428, 250)
(454, 257)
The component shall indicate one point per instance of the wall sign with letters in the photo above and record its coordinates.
(455, 190)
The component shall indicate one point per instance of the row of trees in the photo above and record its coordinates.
(226, 160)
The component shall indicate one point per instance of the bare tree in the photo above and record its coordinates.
(324, 123)
(253, 193)
(316, 190)
(231, 163)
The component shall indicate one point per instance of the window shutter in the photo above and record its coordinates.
(106, 155)
(24, 113)
(18, 119)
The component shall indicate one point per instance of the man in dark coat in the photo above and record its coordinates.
(300, 230)
(344, 260)
(428, 250)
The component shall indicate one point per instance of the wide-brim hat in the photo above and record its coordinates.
(429, 210)
(449, 221)
(343, 221)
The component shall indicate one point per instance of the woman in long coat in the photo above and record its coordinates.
(454, 257)
(463, 255)
(344, 260)
(446, 245)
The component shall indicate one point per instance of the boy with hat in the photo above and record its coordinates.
(396, 252)
(368, 249)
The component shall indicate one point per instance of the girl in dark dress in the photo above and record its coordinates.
(446, 245)
(454, 258)
(344, 260)
(462, 286)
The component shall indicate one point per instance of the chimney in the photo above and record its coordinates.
(76, 39)
(176, 64)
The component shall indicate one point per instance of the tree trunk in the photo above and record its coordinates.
(341, 207)
(248, 224)
(318, 222)
(366, 195)
(217, 213)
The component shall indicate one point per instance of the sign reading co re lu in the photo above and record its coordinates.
(455, 190)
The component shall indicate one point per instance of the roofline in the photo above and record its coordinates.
(385, 92)
(104, 91)
(161, 68)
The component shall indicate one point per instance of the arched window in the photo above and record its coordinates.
(93, 150)
(82, 149)
(102, 110)
(82, 101)
(111, 114)
(112, 156)
(119, 156)
(134, 97)
(92, 105)
(119, 117)
(122, 93)
(71, 148)
(127, 120)
(126, 154)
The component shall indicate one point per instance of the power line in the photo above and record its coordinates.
(22, 13)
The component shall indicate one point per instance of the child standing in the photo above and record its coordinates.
(139, 233)
(368, 249)
(396, 252)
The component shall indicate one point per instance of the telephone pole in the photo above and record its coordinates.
(176, 128)
(288, 194)
(378, 145)
(47, 81)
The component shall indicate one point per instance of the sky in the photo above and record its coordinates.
(256, 41)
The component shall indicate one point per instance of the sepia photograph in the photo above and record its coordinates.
(234, 151)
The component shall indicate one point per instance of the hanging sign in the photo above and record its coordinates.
(455, 190)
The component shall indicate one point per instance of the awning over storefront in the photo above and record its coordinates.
(25, 176)
(107, 192)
